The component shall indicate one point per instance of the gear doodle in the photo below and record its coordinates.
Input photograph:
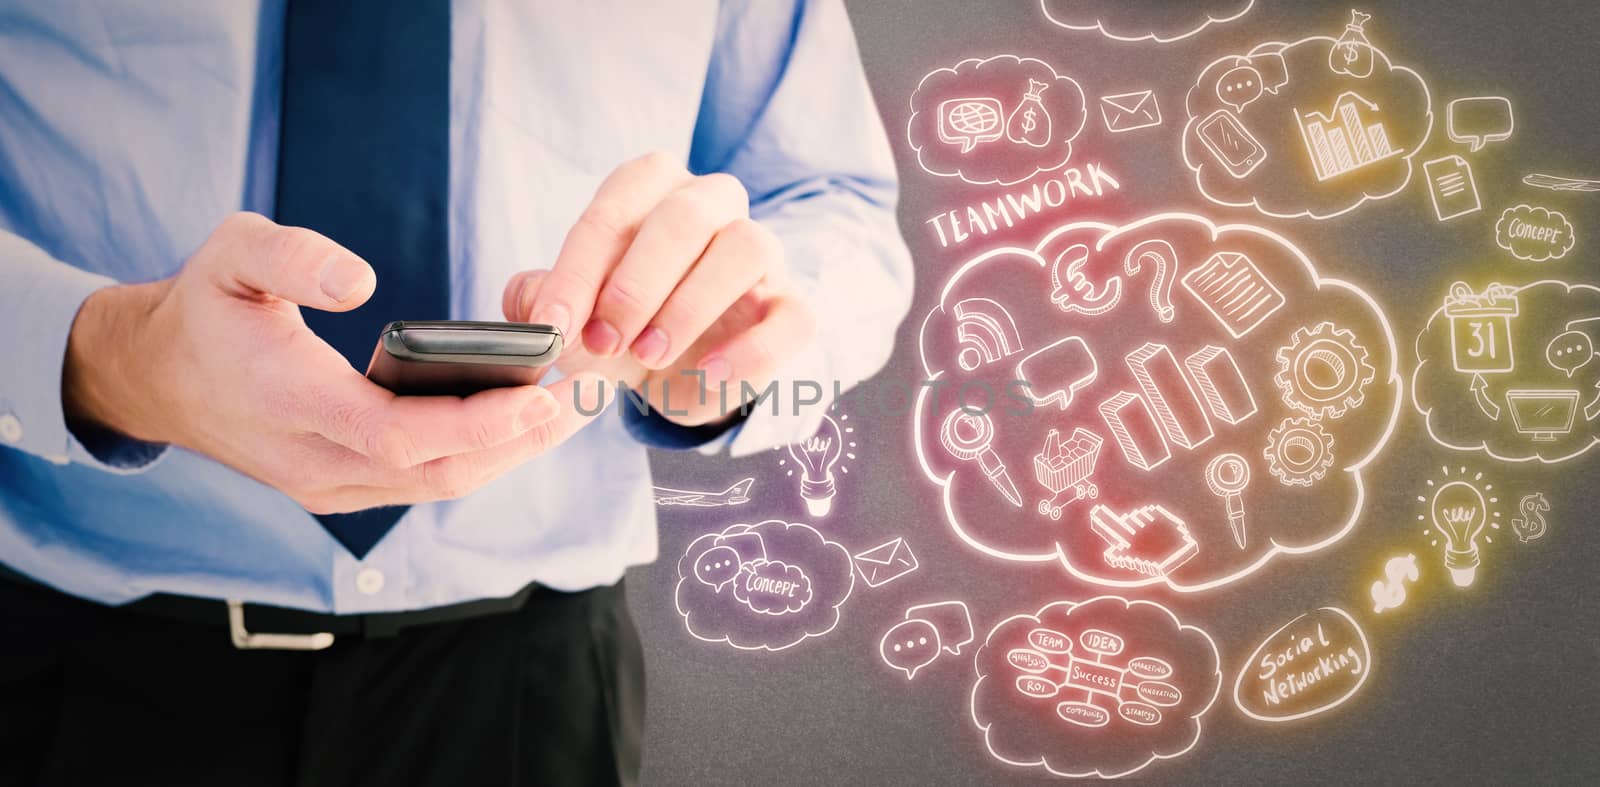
(1299, 452)
(1323, 371)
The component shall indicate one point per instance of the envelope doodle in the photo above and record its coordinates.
(1130, 111)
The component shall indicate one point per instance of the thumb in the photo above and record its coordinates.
(256, 257)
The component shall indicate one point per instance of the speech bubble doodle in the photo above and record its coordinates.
(773, 587)
(1239, 86)
(1488, 379)
(1169, 396)
(1479, 120)
(1570, 351)
(1127, 684)
(792, 592)
(996, 120)
(1158, 21)
(1310, 665)
(717, 566)
(910, 645)
(1535, 234)
(1280, 152)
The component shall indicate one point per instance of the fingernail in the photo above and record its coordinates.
(341, 278)
(557, 315)
(541, 409)
(601, 338)
(716, 369)
(650, 346)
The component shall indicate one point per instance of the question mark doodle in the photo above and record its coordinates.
(1165, 258)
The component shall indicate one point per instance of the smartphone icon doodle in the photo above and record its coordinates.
(1231, 143)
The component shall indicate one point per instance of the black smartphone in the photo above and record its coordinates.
(460, 357)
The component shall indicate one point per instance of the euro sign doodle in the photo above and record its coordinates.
(1391, 592)
(1531, 525)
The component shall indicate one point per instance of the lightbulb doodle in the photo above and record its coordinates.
(997, 120)
(928, 632)
(1312, 128)
(1460, 514)
(1195, 390)
(767, 586)
(1102, 687)
(1509, 371)
(1157, 21)
(1310, 665)
(821, 459)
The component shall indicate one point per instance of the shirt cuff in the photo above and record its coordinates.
(654, 430)
(39, 300)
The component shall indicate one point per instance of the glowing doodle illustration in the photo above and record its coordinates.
(1459, 511)
(1227, 476)
(969, 437)
(1352, 55)
(1451, 187)
(1299, 452)
(1335, 124)
(1310, 665)
(1507, 370)
(1156, 21)
(960, 124)
(1177, 382)
(885, 562)
(1345, 139)
(1479, 120)
(1124, 112)
(1051, 684)
(986, 331)
(1534, 234)
(1541, 180)
(1323, 371)
(736, 495)
(928, 631)
(1065, 466)
(1390, 592)
(819, 458)
(1532, 524)
(767, 586)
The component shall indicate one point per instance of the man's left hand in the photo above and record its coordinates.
(671, 282)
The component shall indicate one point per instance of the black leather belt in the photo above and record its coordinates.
(280, 628)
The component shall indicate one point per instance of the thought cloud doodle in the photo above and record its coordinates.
(1279, 130)
(1507, 370)
(1102, 687)
(1206, 433)
(788, 583)
(998, 120)
(1535, 234)
(1159, 21)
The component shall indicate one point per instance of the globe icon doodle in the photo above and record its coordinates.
(969, 121)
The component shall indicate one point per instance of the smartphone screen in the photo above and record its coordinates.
(1231, 143)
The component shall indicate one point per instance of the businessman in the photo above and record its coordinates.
(228, 558)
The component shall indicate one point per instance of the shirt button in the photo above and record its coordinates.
(10, 429)
(369, 581)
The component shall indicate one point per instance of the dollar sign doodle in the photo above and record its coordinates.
(1391, 593)
(1531, 525)
(1027, 121)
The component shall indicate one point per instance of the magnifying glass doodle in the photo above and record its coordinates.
(1227, 475)
(967, 436)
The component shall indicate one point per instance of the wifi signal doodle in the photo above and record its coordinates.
(986, 333)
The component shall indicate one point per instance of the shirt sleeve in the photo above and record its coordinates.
(787, 110)
(39, 299)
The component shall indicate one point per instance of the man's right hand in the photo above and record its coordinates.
(217, 359)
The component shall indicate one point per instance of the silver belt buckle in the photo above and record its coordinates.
(244, 639)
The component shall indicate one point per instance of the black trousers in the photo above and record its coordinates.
(92, 695)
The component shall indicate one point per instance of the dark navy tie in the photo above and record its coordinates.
(364, 158)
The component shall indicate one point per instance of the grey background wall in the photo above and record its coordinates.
(1491, 685)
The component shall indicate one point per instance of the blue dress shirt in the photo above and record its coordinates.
(129, 129)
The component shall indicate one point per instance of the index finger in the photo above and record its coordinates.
(601, 234)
